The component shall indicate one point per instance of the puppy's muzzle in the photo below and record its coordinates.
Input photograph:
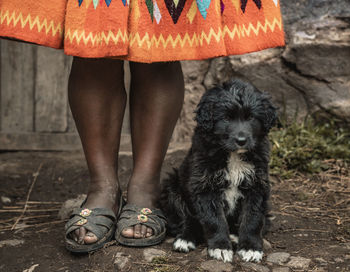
(241, 141)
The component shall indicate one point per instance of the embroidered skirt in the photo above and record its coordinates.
(145, 30)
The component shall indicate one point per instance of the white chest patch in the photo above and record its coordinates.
(237, 171)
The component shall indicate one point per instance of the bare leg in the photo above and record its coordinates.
(97, 99)
(156, 98)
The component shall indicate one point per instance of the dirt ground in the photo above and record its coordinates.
(312, 220)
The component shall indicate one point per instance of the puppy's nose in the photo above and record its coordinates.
(241, 141)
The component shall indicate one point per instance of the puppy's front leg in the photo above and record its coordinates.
(210, 213)
(250, 244)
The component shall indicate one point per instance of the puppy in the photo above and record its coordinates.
(222, 187)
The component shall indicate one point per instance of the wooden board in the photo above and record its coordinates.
(49, 141)
(51, 96)
(17, 86)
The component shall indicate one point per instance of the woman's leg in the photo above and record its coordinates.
(97, 99)
(156, 98)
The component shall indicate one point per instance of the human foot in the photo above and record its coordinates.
(142, 193)
(102, 195)
(133, 215)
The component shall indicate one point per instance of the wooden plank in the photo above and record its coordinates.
(39, 141)
(51, 90)
(48, 141)
(17, 86)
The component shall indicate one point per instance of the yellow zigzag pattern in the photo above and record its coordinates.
(32, 22)
(238, 31)
(97, 39)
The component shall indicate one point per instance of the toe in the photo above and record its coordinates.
(137, 231)
(128, 232)
(149, 232)
(82, 233)
(143, 231)
(90, 238)
(75, 235)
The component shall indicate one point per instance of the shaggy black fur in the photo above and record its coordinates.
(222, 186)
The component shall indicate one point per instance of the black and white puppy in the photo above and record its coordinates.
(222, 187)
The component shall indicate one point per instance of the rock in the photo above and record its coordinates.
(120, 261)
(169, 240)
(69, 205)
(150, 253)
(338, 260)
(347, 257)
(184, 262)
(317, 35)
(5, 200)
(204, 252)
(216, 266)
(299, 263)
(321, 261)
(256, 267)
(266, 244)
(319, 269)
(14, 242)
(278, 257)
(281, 269)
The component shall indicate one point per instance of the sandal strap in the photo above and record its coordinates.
(95, 211)
(130, 217)
(98, 221)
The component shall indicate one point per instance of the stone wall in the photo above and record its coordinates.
(310, 75)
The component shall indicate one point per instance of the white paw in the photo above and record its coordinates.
(234, 238)
(250, 255)
(225, 255)
(183, 245)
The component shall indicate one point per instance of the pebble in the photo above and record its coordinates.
(150, 253)
(5, 200)
(321, 261)
(299, 263)
(338, 260)
(278, 257)
(69, 205)
(204, 252)
(266, 244)
(216, 266)
(14, 242)
(319, 269)
(169, 240)
(256, 267)
(281, 269)
(120, 261)
(184, 262)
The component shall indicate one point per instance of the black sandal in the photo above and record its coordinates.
(132, 215)
(100, 221)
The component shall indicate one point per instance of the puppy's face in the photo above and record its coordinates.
(238, 130)
(236, 116)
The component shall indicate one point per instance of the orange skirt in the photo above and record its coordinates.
(145, 30)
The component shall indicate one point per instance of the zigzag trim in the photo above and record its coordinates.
(32, 22)
(238, 31)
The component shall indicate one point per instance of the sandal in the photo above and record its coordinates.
(132, 215)
(100, 221)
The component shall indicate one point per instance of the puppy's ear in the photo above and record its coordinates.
(204, 115)
(270, 112)
(205, 110)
